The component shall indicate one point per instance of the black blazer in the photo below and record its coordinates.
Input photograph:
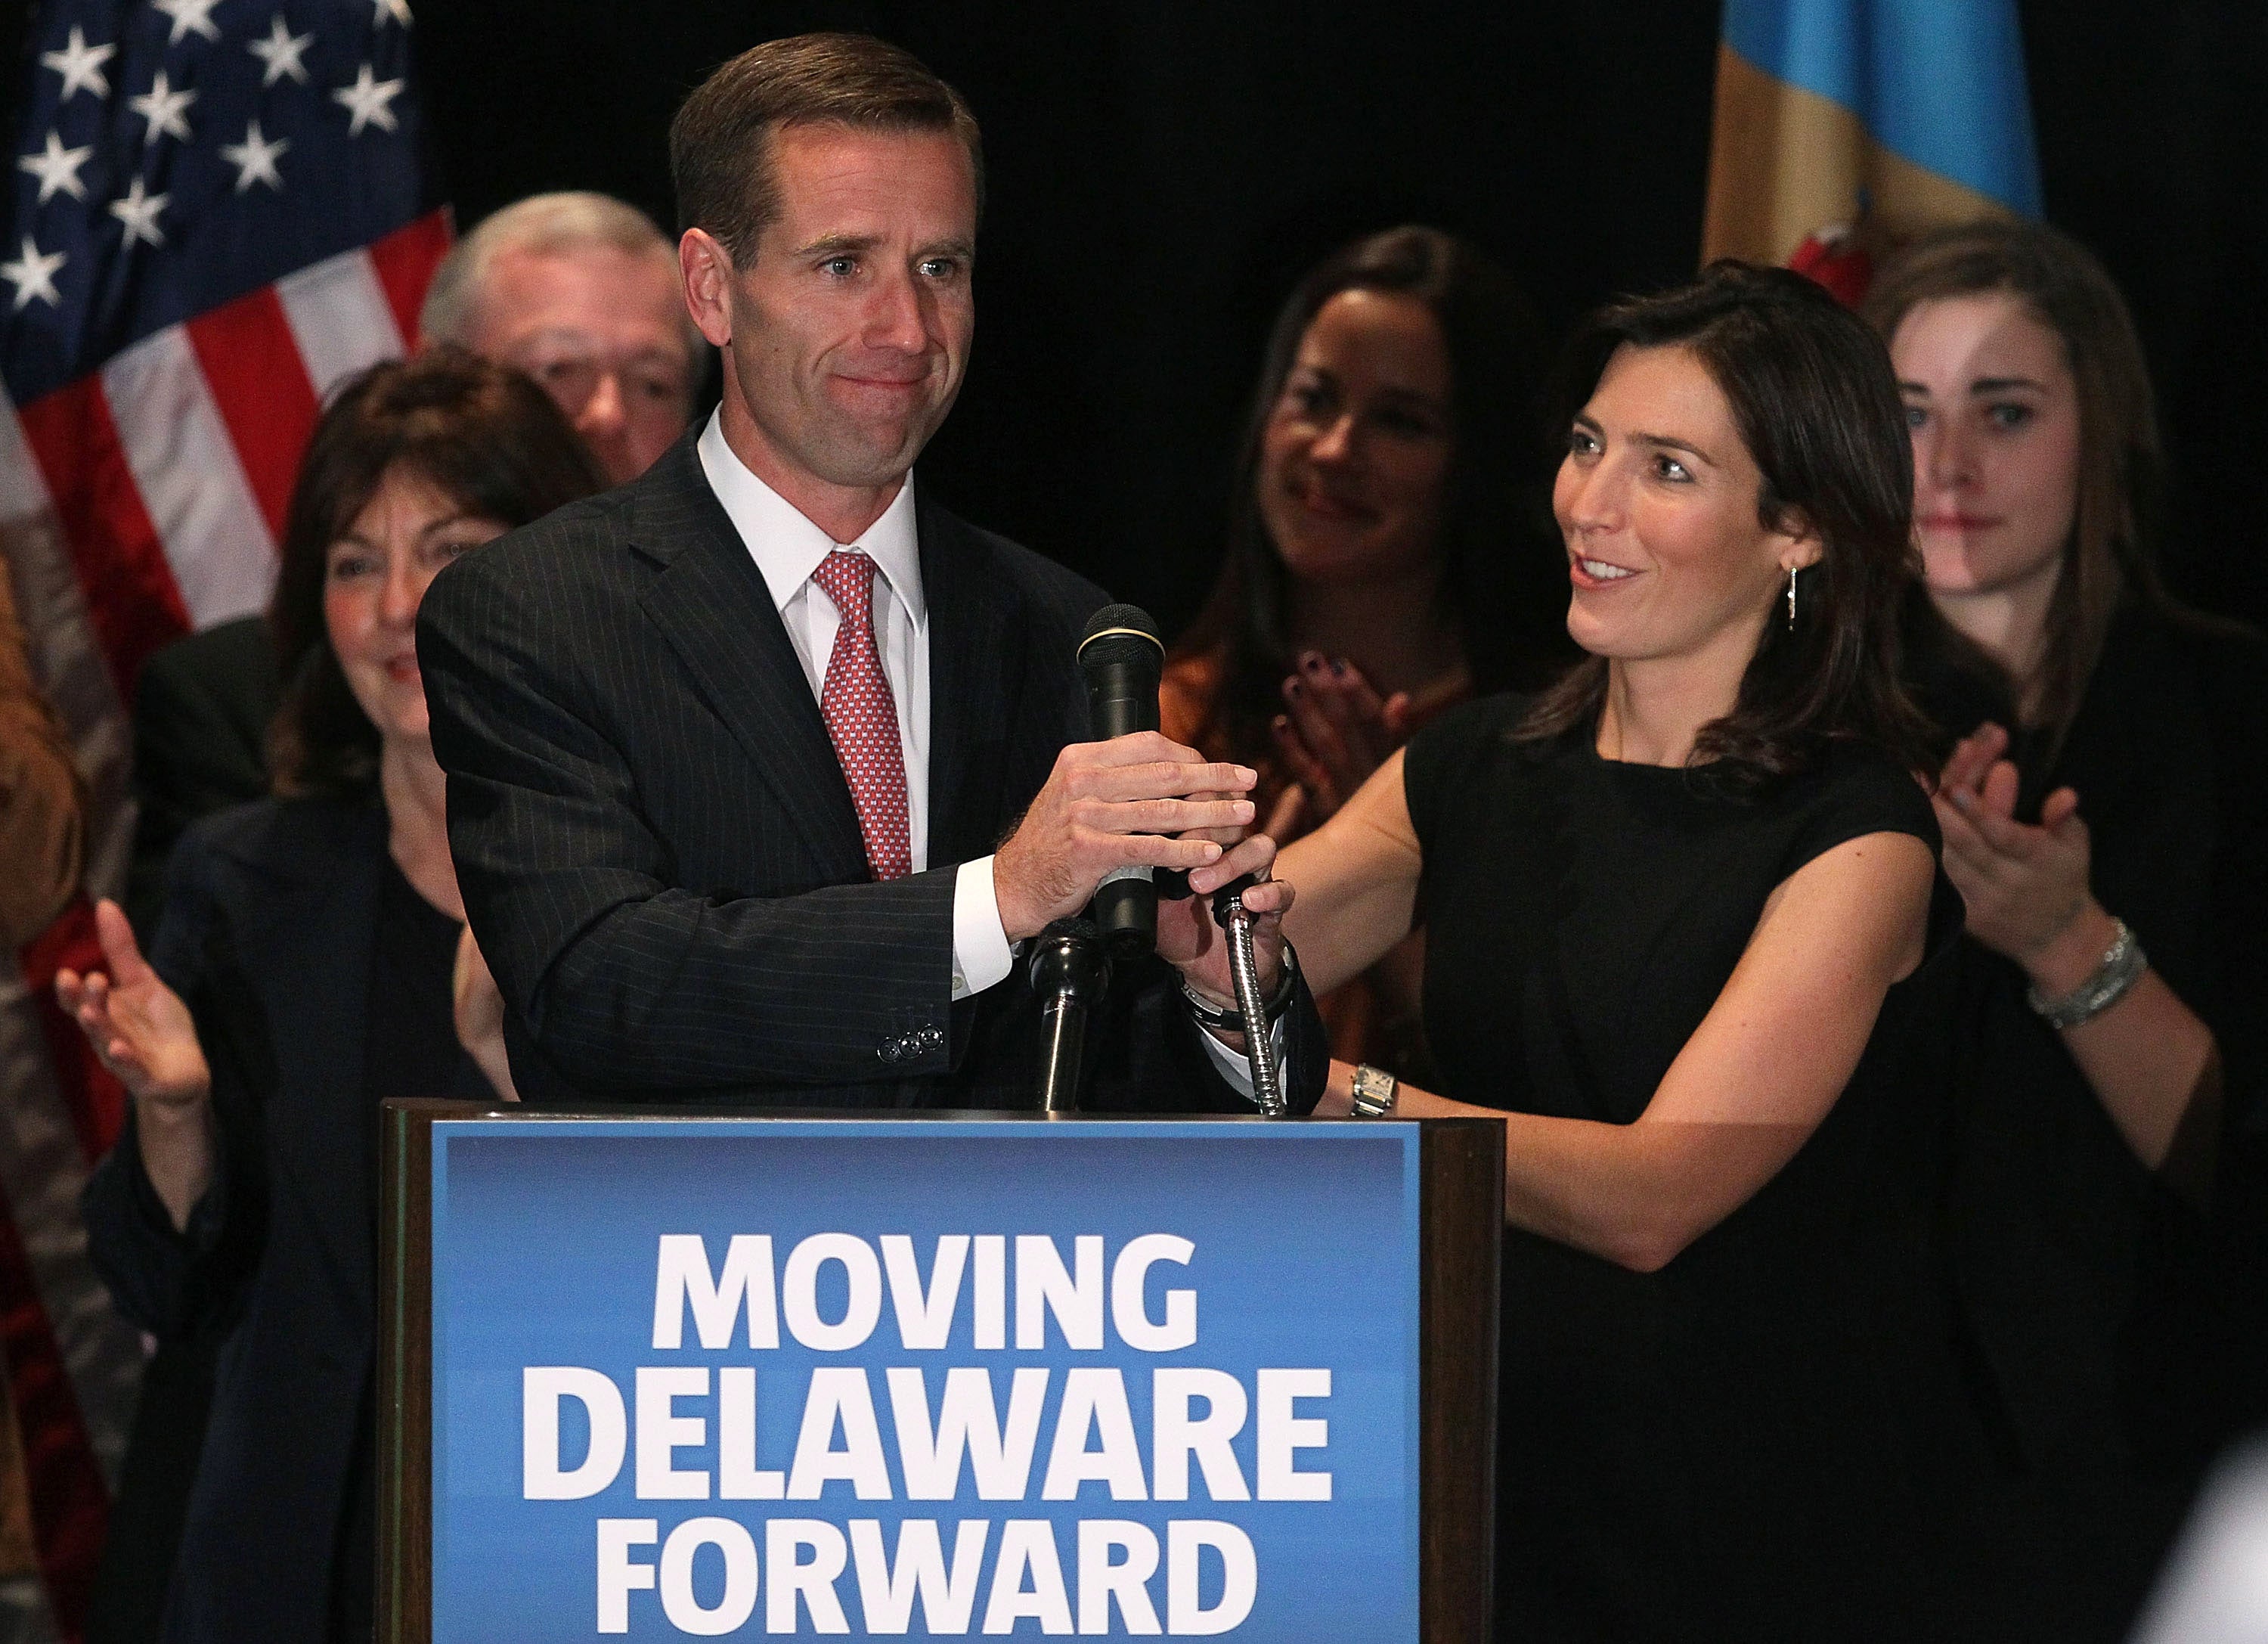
(200, 711)
(659, 852)
(269, 918)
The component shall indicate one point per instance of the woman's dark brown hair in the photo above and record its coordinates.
(1813, 396)
(1504, 585)
(484, 436)
(2112, 549)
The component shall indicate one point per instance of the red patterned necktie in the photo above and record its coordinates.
(862, 715)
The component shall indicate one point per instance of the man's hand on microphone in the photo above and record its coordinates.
(1112, 805)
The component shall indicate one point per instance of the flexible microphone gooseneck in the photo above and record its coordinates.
(1122, 659)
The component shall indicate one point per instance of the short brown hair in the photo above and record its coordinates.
(720, 143)
(481, 434)
(2112, 550)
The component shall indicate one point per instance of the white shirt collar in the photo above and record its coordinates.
(784, 543)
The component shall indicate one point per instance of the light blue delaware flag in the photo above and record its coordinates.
(1847, 124)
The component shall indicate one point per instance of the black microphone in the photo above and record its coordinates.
(1070, 969)
(1122, 659)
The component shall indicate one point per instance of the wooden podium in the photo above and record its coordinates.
(1266, 1352)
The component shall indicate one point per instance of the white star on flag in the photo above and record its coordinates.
(138, 210)
(254, 158)
(34, 275)
(57, 169)
(281, 51)
(162, 108)
(189, 16)
(367, 99)
(382, 11)
(80, 64)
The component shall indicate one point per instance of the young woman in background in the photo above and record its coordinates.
(2106, 820)
(1388, 553)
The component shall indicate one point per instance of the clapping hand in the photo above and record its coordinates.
(1335, 731)
(138, 1026)
(2024, 885)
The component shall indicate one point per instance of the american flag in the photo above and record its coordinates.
(216, 215)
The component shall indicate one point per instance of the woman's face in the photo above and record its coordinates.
(1356, 455)
(1994, 412)
(1657, 502)
(373, 577)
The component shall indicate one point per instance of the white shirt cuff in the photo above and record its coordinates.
(981, 958)
(1234, 1065)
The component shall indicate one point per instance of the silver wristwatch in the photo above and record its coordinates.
(1375, 1092)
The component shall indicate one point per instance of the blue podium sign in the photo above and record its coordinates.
(891, 1379)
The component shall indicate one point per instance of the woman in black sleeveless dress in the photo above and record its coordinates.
(1688, 934)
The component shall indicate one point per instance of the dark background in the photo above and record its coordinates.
(1161, 173)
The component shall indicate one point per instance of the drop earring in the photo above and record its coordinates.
(1791, 596)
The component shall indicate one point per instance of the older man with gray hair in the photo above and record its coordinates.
(579, 290)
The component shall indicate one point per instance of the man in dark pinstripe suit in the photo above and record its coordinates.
(760, 766)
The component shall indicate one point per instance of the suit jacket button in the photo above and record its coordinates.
(889, 1050)
(932, 1038)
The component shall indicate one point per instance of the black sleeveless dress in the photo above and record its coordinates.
(1773, 1436)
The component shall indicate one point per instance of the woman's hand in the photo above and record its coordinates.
(479, 1010)
(2026, 887)
(1189, 936)
(1336, 733)
(138, 1026)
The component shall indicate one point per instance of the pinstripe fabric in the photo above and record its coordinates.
(656, 844)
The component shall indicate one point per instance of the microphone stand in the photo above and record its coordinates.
(1244, 972)
(1069, 968)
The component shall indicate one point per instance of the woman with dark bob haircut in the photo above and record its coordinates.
(1687, 937)
(1388, 553)
(2106, 820)
(300, 974)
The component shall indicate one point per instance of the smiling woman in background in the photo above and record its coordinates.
(2106, 819)
(1389, 554)
(299, 975)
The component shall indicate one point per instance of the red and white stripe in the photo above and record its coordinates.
(142, 501)
(170, 468)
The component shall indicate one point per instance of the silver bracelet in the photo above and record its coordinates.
(1221, 1020)
(2120, 968)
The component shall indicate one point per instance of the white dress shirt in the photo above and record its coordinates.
(787, 548)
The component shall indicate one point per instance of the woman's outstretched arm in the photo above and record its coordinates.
(1763, 1068)
(1357, 878)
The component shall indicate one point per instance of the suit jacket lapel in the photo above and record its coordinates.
(711, 605)
(972, 633)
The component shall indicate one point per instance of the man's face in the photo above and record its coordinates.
(603, 331)
(848, 329)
